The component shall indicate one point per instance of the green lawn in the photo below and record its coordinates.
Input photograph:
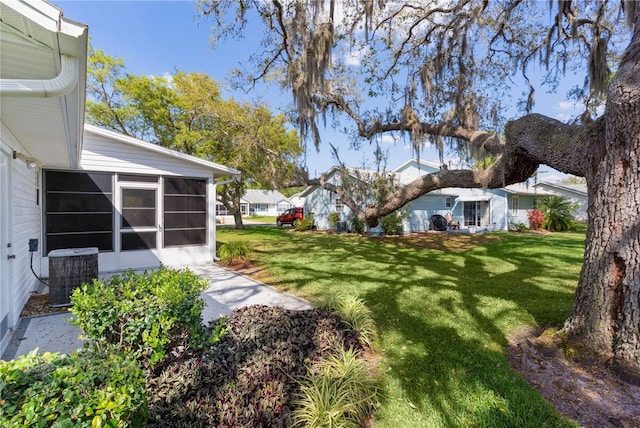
(444, 305)
(262, 218)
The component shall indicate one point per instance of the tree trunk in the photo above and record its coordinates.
(606, 313)
(237, 218)
(231, 196)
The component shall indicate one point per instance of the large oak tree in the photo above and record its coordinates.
(439, 71)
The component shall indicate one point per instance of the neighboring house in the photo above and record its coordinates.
(478, 209)
(319, 202)
(576, 193)
(263, 202)
(68, 185)
(296, 200)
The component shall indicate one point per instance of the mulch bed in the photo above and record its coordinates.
(38, 304)
(588, 393)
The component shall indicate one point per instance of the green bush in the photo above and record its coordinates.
(392, 223)
(91, 387)
(333, 218)
(357, 225)
(558, 213)
(339, 392)
(234, 251)
(517, 226)
(146, 313)
(304, 224)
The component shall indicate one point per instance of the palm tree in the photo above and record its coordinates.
(558, 213)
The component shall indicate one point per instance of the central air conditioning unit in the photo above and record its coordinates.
(68, 269)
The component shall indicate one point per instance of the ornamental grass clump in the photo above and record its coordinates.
(355, 313)
(340, 391)
(143, 313)
(234, 252)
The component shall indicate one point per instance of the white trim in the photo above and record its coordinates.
(218, 169)
(422, 162)
(473, 198)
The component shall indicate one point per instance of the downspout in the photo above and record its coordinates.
(60, 85)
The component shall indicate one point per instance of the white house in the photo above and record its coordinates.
(478, 209)
(264, 202)
(65, 184)
(258, 202)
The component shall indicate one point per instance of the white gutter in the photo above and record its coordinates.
(60, 85)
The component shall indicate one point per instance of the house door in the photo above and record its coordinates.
(6, 250)
(476, 213)
(138, 224)
(471, 214)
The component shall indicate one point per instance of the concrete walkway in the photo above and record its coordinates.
(227, 291)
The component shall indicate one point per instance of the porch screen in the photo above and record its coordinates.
(78, 210)
(185, 211)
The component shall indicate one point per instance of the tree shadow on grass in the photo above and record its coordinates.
(444, 317)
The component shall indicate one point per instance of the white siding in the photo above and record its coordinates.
(421, 210)
(24, 223)
(103, 154)
(409, 171)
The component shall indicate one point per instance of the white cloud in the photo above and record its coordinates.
(567, 105)
(566, 110)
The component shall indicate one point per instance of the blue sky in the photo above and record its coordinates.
(159, 37)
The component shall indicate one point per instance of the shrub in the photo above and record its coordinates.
(334, 218)
(234, 252)
(339, 392)
(558, 213)
(392, 223)
(305, 224)
(143, 313)
(517, 226)
(92, 387)
(357, 225)
(536, 219)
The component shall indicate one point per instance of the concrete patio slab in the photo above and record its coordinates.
(227, 291)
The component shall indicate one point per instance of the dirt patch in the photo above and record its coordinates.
(38, 304)
(590, 394)
(440, 241)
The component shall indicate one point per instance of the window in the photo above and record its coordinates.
(447, 202)
(78, 210)
(515, 204)
(221, 209)
(339, 205)
(185, 211)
